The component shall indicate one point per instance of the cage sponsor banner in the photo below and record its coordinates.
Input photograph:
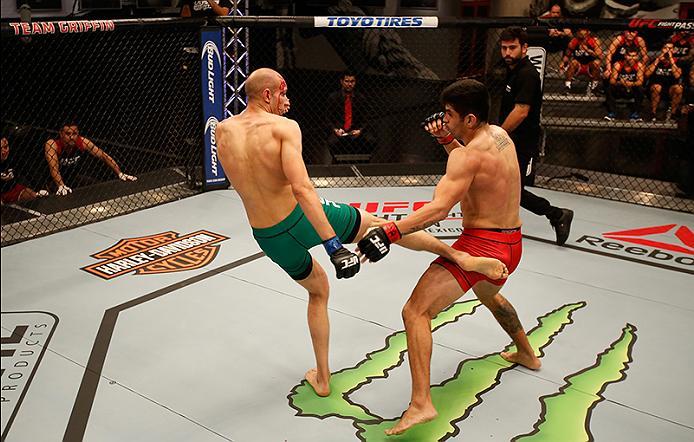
(212, 90)
(375, 22)
(656, 23)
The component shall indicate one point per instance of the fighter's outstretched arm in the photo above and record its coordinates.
(462, 166)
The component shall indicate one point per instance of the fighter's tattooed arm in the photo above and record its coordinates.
(419, 227)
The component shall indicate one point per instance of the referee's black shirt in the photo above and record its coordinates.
(523, 86)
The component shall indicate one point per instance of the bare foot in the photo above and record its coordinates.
(492, 268)
(528, 361)
(321, 388)
(411, 417)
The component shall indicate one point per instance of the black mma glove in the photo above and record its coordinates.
(376, 243)
(430, 119)
(346, 263)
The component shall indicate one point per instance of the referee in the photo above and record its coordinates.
(520, 116)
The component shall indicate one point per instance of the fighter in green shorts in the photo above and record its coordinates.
(287, 242)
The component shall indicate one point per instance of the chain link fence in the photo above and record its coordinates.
(98, 124)
(134, 95)
(628, 156)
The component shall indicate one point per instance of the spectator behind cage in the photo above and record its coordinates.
(346, 112)
(665, 77)
(12, 190)
(205, 8)
(626, 82)
(558, 38)
(64, 153)
(618, 49)
(683, 43)
(582, 57)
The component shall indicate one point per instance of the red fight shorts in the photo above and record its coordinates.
(503, 244)
(12, 195)
(584, 69)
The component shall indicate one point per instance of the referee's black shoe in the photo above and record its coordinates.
(562, 225)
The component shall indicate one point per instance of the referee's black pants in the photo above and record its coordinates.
(529, 201)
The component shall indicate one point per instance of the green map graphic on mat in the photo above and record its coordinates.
(568, 411)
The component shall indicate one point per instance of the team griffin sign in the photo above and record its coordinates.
(565, 415)
(62, 27)
(165, 252)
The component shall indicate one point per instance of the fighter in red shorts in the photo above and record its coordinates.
(482, 174)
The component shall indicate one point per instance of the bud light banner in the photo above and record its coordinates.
(212, 89)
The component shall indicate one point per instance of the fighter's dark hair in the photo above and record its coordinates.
(468, 96)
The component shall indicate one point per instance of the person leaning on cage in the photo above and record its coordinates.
(346, 112)
(683, 50)
(65, 153)
(665, 78)
(626, 81)
(205, 8)
(582, 57)
(520, 116)
(12, 190)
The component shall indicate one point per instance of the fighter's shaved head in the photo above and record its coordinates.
(261, 79)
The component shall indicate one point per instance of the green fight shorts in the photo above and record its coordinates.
(287, 242)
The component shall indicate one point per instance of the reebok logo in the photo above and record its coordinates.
(638, 236)
(669, 242)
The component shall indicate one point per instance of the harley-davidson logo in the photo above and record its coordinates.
(160, 253)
